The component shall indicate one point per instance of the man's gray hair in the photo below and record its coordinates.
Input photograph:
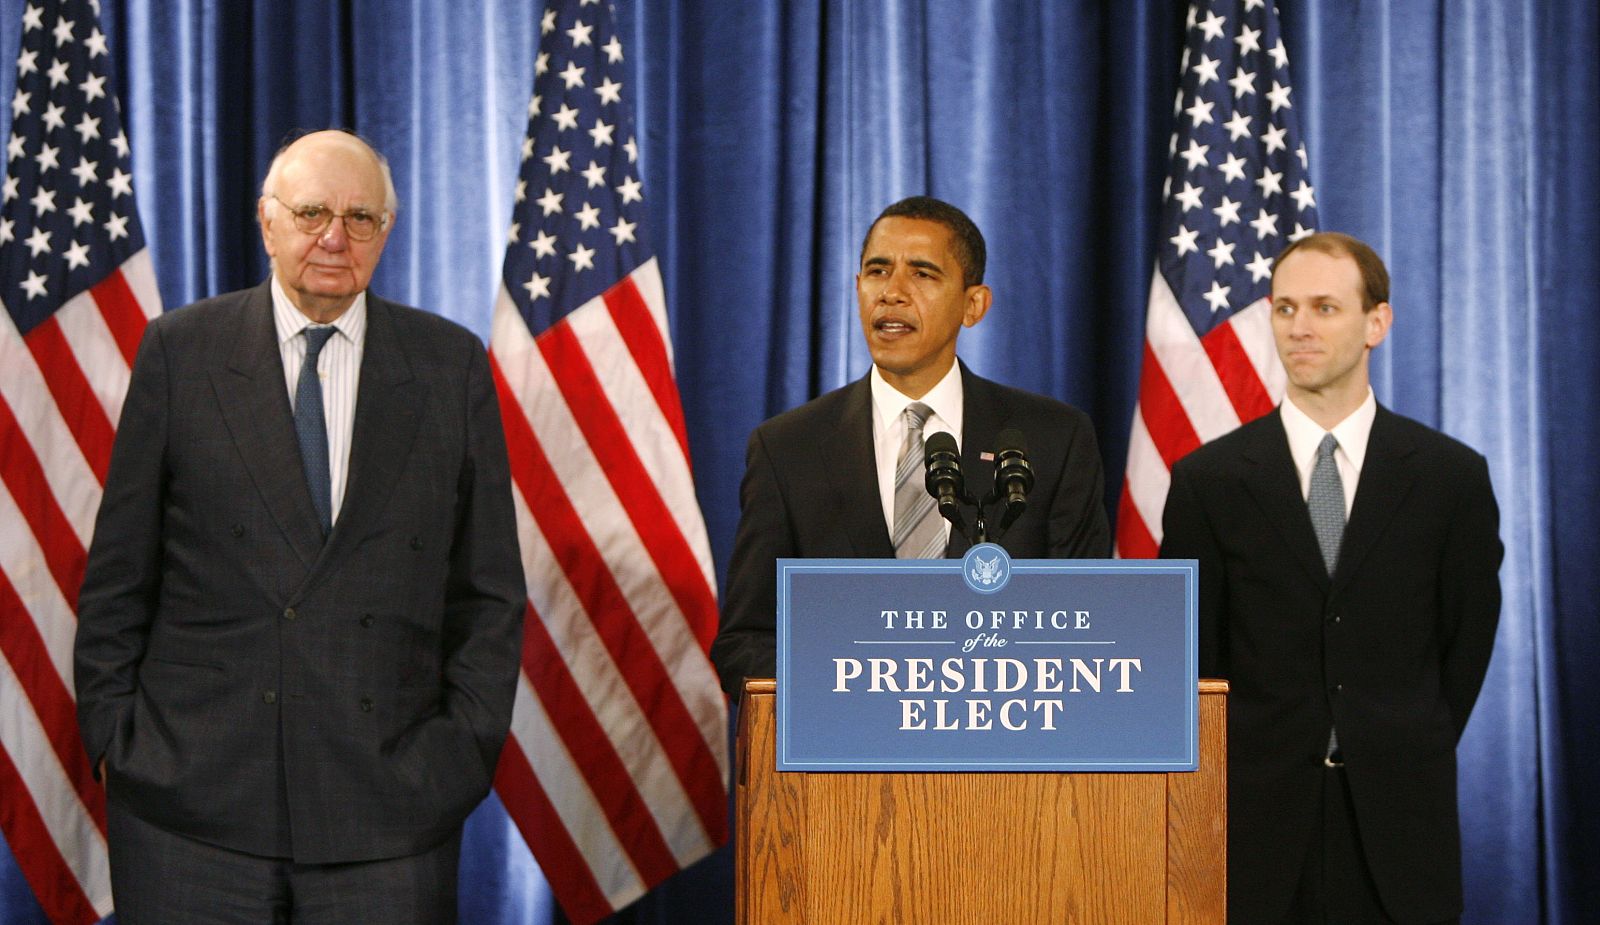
(391, 201)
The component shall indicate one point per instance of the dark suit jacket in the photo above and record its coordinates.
(1392, 649)
(248, 684)
(811, 490)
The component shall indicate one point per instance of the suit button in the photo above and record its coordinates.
(1336, 689)
(238, 530)
(1335, 617)
(269, 696)
(289, 614)
(366, 619)
(366, 704)
(416, 543)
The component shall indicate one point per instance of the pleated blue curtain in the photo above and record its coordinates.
(1566, 255)
(1457, 136)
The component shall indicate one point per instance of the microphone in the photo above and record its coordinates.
(1013, 475)
(944, 479)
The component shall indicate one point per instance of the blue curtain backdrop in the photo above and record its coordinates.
(1458, 136)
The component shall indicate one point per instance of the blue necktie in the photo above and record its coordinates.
(310, 425)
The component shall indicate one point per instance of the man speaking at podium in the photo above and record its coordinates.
(1349, 593)
(842, 476)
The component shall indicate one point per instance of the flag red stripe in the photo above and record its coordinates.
(24, 479)
(47, 694)
(593, 751)
(563, 864)
(1134, 540)
(597, 418)
(1164, 416)
(84, 415)
(37, 854)
(120, 308)
(636, 658)
(1249, 397)
(643, 339)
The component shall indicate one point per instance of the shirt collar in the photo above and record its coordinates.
(946, 399)
(1352, 433)
(290, 321)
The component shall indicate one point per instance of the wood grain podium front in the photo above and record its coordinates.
(957, 848)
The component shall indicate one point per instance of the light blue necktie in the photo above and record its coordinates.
(311, 426)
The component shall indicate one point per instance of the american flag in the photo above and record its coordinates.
(78, 288)
(617, 766)
(1237, 192)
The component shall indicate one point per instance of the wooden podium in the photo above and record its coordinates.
(957, 848)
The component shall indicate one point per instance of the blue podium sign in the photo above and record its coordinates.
(987, 664)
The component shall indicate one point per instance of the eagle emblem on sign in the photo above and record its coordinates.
(986, 571)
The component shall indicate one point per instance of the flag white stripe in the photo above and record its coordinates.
(140, 274)
(1187, 365)
(606, 521)
(569, 793)
(648, 280)
(64, 815)
(22, 388)
(96, 351)
(1148, 478)
(601, 682)
(23, 561)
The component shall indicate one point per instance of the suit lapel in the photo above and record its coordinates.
(983, 416)
(255, 406)
(388, 400)
(1386, 479)
(848, 452)
(1275, 486)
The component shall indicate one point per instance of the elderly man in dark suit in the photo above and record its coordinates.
(1349, 592)
(299, 626)
(842, 476)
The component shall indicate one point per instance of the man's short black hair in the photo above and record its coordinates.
(964, 234)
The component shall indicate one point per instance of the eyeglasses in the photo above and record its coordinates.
(359, 224)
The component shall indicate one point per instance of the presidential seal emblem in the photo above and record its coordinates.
(986, 568)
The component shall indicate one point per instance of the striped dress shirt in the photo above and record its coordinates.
(339, 368)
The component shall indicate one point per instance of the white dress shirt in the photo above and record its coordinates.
(889, 428)
(339, 368)
(1352, 434)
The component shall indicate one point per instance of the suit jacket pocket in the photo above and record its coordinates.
(179, 702)
(435, 764)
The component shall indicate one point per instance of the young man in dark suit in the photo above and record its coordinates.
(1349, 593)
(299, 625)
(826, 479)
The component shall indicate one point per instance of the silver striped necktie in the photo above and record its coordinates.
(918, 531)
